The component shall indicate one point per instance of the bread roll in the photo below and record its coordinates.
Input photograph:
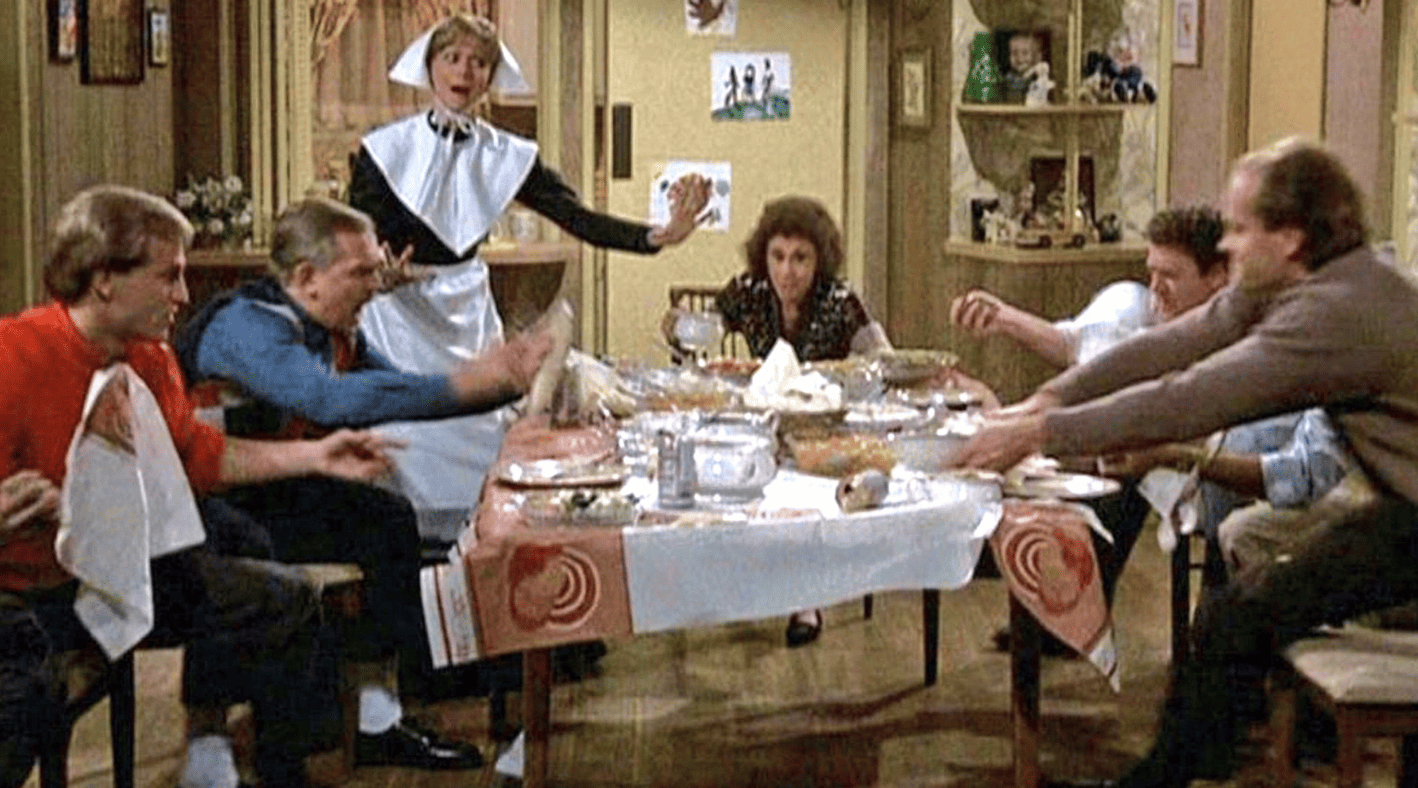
(558, 321)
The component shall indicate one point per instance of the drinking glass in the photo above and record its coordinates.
(698, 332)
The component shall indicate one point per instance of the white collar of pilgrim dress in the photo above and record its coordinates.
(457, 184)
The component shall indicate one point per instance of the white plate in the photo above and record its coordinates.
(1066, 486)
(556, 473)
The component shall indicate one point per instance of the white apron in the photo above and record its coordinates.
(428, 327)
(458, 190)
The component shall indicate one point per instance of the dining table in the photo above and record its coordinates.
(515, 582)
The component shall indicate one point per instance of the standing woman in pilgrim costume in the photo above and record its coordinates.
(434, 183)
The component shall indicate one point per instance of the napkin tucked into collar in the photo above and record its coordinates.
(125, 500)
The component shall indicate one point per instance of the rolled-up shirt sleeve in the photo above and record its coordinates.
(1307, 467)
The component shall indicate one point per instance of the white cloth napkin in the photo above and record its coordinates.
(1177, 497)
(779, 383)
(772, 376)
(125, 500)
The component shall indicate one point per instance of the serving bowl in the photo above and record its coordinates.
(910, 367)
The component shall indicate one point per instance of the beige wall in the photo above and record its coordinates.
(1287, 70)
(1354, 104)
(664, 74)
(1197, 167)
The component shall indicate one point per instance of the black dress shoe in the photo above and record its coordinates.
(801, 633)
(408, 744)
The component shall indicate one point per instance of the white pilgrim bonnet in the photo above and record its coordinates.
(410, 70)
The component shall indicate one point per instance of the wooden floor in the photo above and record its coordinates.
(730, 706)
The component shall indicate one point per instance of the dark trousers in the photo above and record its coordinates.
(1366, 561)
(319, 519)
(252, 631)
(1123, 514)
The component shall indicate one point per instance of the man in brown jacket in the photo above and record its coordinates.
(1311, 318)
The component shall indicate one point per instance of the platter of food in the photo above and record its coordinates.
(578, 506)
(840, 454)
(560, 473)
(732, 368)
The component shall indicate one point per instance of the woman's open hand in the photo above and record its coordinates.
(688, 197)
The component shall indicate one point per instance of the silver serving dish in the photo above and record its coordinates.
(883, 417)
(934, 450)
(559, 473)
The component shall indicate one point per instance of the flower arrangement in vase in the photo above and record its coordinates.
(219, 209)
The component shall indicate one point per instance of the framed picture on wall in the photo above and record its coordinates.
(1186, 33)
(63, 30)
(159, 37)
(112, 41)
(913, 101)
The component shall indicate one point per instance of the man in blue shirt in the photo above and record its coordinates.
(283, 356)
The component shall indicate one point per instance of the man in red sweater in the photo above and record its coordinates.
(250, 627)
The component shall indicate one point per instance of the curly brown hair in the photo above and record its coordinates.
(107, 229)
(796, 216)
(461, 26)
(1302, 185)
(1195, 231)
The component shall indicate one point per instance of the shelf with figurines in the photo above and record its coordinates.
(1108, 83)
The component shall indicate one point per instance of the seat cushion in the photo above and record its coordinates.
(1357, 665)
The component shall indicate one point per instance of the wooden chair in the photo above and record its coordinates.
(1367, 680)
(1209, 565)
(341, 591)
(116, 682)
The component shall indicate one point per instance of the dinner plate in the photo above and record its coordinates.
(558, 473)
(1066, 486)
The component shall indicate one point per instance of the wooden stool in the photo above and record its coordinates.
(1367, 680)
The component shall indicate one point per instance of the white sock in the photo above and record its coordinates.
(379, 709)
(509, 763)
(210, 764)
